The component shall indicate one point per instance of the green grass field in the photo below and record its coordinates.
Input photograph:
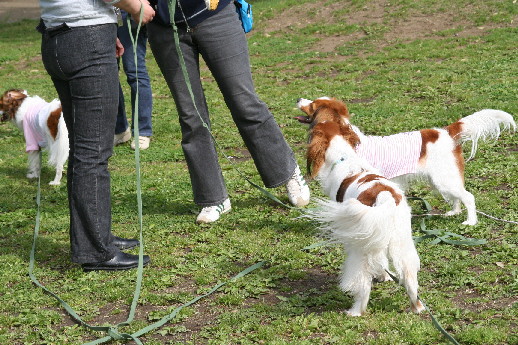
(400, 65)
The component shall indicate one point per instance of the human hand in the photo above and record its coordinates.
(119, 48)
(133, 8)
(149, 13)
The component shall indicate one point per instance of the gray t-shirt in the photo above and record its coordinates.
(77, 12)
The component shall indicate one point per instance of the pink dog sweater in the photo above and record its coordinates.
(34, 123)
(392, 155)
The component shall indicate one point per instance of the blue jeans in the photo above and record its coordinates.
(222, 43)
(145, 101)
(82, 64)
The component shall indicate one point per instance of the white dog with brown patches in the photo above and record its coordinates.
(365, 212)
(43, 127)
(435, 154)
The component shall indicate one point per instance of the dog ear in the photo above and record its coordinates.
(10, 102)
(316, 153)
(349, 135)
(341, 109)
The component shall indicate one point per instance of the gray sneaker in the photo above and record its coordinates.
(122, 138)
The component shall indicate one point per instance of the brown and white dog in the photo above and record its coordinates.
(435, 154)
(43, 127)
(365, 212)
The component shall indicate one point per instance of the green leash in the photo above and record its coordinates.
(172, 10)
(434, 320)
(440, 235)
(112, 331)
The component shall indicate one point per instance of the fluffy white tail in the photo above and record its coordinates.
(483, 125)
(58, 153)
(355, 224)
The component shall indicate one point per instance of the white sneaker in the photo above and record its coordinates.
(298, 190)
(121, 138)
(143, 143)
(211, 214)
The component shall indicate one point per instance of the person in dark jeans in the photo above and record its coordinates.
(78, 52)
(145, 102)
(218, 37)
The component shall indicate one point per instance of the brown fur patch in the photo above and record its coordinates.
(320, 137)
(322, 110)
(53, 121)
(316, 153)
(343, 187)
(369, 178)
(454, 130)
(368, 197)
(10, 102)
(459, 159)
(427, 136)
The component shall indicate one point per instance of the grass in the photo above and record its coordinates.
(400, 66)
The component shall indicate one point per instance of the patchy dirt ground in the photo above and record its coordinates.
(407, 28)
(14, 10)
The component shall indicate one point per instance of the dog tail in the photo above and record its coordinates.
(482, 125)
(355, 224)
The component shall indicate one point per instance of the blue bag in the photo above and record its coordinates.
(244, 9)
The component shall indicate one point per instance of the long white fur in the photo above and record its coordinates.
(484, 125)
(372, 236)
(57, 149)
(440, 167)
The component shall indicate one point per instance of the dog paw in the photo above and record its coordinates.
(382, 278)
(32, 175)
(469, 222)
(352, 312)
(418, 307)
(54, 183)
(452, 213)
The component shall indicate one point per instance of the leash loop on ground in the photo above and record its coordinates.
(112, 331)
(439, 235)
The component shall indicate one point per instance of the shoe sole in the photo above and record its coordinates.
(100, 268)
(129, 247)
(121, 142)
(225, 211)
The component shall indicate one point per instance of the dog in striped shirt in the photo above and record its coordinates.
(43, 127)
(365, 212)
(432, 154)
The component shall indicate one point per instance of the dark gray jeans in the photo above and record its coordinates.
(82, 64)
(221, 42)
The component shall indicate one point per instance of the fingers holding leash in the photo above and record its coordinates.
(133, 8)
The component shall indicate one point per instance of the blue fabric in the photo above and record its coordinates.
(244, 9)
(144, 84)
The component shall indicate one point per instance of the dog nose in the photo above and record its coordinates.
(299, 99)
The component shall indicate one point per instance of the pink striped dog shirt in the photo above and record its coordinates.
(34, 122)
(392, 155)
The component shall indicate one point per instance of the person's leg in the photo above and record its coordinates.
(121, 124)
(89, 96)
(224, 47)
(145, 100)
(199, 150)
